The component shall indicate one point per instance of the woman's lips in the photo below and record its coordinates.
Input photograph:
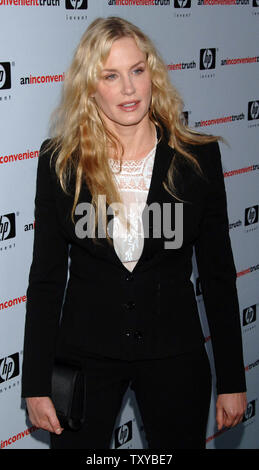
(129, 105)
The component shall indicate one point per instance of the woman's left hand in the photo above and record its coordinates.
(230, 409)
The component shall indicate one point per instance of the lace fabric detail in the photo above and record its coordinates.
(135, 175)
(133, 181)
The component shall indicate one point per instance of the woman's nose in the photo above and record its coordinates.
(128, 87)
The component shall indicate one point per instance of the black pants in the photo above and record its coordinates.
(173, 396)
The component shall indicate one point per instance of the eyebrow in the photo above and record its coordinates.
(132, 67)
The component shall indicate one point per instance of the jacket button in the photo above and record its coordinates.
(129, 277)
(130, 305)
(138, 335)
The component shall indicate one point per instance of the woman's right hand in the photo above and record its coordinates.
(42, 414)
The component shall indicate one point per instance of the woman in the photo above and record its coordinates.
(129, 314)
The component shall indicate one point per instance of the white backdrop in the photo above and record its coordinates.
(211, 48)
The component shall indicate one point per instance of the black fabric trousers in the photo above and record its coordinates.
(173, 395)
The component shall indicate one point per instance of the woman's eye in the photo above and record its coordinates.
(112, 76)
(138, 71)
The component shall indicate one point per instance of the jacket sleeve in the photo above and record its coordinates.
(218, 275)
(47, 281)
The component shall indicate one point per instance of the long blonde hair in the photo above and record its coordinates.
(81, 138)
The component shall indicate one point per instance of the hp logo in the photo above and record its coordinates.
(250, 410)
(9, 367)
(76, 4)
(123, 434)
(7, 226)
(5, 75)
(182, 3)
(249, 315)
(253, 110)
(251, 215)
(207, 59)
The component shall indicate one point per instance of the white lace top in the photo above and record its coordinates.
(133, 182)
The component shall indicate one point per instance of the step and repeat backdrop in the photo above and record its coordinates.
(211, 49)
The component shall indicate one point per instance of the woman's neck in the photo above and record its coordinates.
(137, 140)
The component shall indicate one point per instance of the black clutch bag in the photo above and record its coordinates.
(68, 395)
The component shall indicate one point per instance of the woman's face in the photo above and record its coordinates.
(123, 93)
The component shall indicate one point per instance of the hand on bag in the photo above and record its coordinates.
(42, 414)
(230, 409)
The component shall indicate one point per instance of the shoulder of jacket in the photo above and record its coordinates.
(208, 157)
(46, 147)
(48, 153)
(208, 154)
(201, 150)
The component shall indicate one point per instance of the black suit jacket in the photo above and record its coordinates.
(149, 313)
